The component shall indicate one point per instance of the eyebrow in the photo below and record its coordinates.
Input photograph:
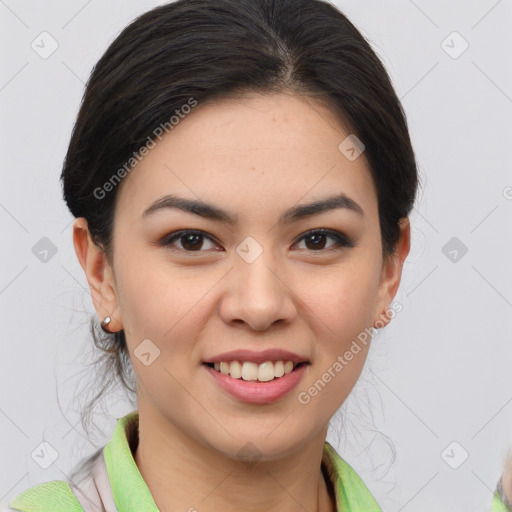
(215, 213)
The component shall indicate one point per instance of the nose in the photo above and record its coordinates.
(257, 294)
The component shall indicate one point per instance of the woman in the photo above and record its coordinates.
(242, 175)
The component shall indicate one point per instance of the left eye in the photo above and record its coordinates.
(317, 236)
(191, 240)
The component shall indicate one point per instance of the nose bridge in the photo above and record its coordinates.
(253, 266)
(256, 293)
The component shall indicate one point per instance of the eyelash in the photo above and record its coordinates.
(342, 241)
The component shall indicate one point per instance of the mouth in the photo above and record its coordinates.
(263, 380)
(250, 371)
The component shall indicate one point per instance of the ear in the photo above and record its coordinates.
(99, 274)
(506, 478)
(392, 273)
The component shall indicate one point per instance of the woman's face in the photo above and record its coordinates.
(263, 282)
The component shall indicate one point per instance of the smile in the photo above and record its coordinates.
(250, 389)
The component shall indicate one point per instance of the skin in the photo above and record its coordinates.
(506, 478)
(254, 158)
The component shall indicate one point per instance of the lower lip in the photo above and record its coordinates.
(255, 392)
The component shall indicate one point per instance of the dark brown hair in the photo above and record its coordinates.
(209, 49)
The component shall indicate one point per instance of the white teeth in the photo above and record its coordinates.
(235, 369)
(279, 369)
(288, 367)
(248, 370)
(266, 371)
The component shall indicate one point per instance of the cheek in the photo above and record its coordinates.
(166, 304)
(151, 297)
(157, 304)
(342, 307)
(343, 300)
(140, 295)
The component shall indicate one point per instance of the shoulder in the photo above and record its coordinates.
(350, 490)
(498, 502)
(48, 496)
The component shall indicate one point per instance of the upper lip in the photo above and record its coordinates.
(257, 357)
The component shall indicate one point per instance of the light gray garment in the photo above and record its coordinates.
(93, 491)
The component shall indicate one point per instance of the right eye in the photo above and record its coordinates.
(190, 240)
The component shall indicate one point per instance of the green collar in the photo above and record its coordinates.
(122, 471)
(351, 493)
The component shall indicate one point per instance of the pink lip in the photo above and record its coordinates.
(258, 392)
(257, 357)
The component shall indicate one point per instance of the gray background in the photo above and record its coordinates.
(438, 374)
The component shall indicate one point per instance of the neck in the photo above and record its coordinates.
(183, 474)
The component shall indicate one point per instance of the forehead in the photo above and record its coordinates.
(251, 154)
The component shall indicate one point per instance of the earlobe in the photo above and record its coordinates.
(392, 273)
(98, 273)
